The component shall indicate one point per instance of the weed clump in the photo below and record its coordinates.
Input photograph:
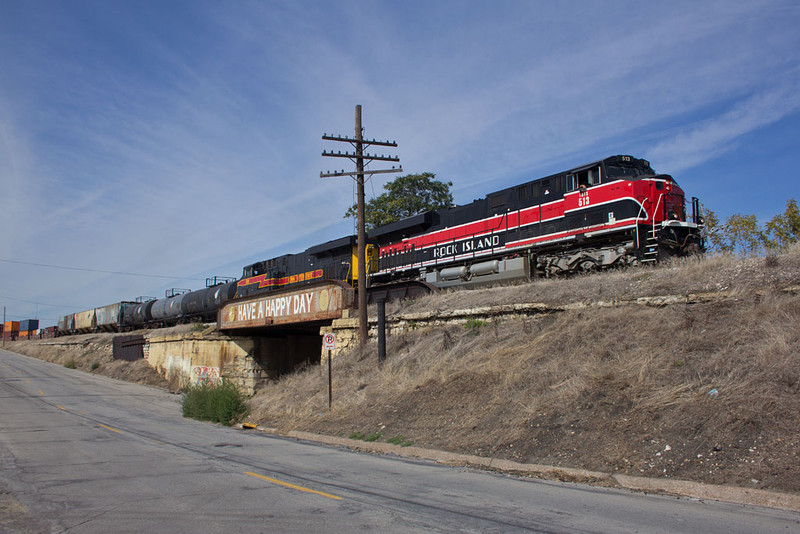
(473, 326)
(70, 364)
(399, 440)
(222, 403)
(374, 437)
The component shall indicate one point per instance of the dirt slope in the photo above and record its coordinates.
(707, 392)
(91, 353)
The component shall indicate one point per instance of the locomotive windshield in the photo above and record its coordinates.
(627, 167)
(629, 171)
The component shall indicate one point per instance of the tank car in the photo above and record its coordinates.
(142, 312)
(168, 310)
(204, 303)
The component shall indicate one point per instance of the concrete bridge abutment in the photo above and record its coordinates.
(246, 360)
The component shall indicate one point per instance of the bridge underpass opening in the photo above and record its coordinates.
(284, 350)
(286, 324)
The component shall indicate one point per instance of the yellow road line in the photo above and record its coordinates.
(41, 392)
(111, 429)
(61, 407)
(28, 380)
(293, 486)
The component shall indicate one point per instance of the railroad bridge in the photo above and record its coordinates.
(256, 338)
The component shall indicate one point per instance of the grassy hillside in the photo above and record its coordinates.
(707, 392)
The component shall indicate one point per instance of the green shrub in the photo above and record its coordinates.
(374, 437)
(70, 364)
(222, 403)
(399, 440)
(473, 326)
(95, 366)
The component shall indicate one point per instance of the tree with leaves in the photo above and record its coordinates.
(742, 233)
(784, 230)
(712, 231)
(405, 196)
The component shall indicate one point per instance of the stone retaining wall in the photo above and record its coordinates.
(346, 328)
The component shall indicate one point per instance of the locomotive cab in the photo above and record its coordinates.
(665, 220)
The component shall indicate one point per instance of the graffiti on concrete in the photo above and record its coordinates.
(206, 375)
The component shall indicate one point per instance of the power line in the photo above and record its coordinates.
(98, 270)
(23, 317)
(6, 297)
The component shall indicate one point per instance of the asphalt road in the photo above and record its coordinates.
(81, 453)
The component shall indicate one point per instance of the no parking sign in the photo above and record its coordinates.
(329, 342)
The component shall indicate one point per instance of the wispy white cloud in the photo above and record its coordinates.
(139, 144)
(701, 141)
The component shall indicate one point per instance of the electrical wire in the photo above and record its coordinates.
(6, 297)
(97, 270)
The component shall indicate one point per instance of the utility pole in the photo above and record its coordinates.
(361, 160)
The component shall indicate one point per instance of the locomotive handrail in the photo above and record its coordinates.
(638, 216)
(655, 210)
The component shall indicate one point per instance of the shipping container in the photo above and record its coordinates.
(29, 324)
(11, 326)
(85, 322)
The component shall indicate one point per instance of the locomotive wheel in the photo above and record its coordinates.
(587, 266)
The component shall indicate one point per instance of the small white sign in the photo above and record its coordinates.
(329, 342)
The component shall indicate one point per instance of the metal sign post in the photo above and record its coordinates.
(329, 343)
(381, 330)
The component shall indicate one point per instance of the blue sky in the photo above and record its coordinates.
(183, 139)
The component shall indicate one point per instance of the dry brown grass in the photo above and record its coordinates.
(618, 389)
(681, 276)
(90, 353)
(622, 389)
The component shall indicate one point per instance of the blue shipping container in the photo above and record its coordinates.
(29, 324)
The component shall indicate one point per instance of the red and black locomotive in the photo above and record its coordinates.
(612, 212)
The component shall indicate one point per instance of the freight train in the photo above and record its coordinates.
(614, 212)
